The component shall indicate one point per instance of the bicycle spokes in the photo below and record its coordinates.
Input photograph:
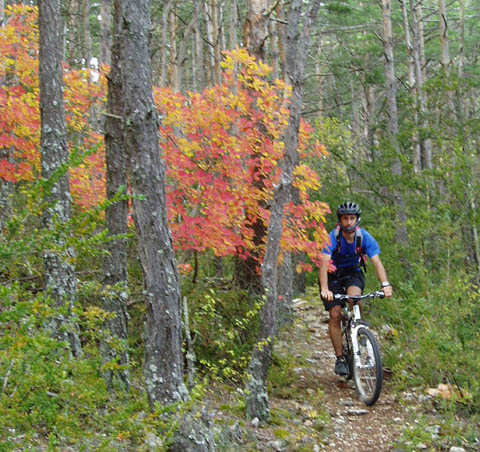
(367, 367)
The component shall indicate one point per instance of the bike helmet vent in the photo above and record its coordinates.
(348, 208)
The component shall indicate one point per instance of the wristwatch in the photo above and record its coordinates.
(385, 284)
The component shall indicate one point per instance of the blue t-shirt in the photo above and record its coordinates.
(348, 256)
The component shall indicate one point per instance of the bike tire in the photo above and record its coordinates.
(367, 368)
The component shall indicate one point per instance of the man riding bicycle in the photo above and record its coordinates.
(340, 271)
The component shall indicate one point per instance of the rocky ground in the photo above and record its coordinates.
(313, 410)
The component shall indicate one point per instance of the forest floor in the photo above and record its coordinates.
(313, 410)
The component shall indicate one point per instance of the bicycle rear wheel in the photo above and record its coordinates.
(367, 368)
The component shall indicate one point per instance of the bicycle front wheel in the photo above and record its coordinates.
(367, 367)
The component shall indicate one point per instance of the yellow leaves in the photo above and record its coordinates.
(41, 309)
(306, 178)
(94, 312)
(122, 436)
(187, 147)
(20, 10)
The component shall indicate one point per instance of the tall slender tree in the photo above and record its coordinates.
(105, 33)
(392, 113)
(425, 161)
(411, 85)
(198, 68)
(60, 278)
(163, 366)
(115, 263)
(255, 33)
(297, 43)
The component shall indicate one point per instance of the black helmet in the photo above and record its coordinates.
(349, 208)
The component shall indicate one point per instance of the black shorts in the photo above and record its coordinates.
(339, 283)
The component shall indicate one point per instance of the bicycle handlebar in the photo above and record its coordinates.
(377, 294)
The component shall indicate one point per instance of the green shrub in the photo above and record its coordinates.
(224, 326)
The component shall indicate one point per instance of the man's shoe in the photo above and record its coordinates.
(341, 367)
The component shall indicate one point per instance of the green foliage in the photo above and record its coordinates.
(224, 325)
(282, 376)
(436, 339)
(46, 393)
(431, 324)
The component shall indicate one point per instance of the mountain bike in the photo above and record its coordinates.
(360, 349)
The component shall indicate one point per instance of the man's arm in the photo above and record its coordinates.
(381, 275)
(325, 293)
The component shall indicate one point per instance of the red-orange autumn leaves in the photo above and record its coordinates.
(215, 144)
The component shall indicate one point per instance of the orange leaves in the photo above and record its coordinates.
(216, 145)
(7, 171)
(216, 151)
(20, 115)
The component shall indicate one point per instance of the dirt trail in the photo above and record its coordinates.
(354, 426)
(322, 412)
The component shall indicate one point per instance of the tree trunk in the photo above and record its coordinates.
(255, 32)
(182, 55)
(6, 190)
(320, 83)
(85, 34)
(105, 37)
(173, 81)
(215, 41)
(273, 53)
(164, 44)
(255, 28)
(444, 55)
(281, 39)
(396, 169)
(60, 278)
(297, 45)
(163, 366)
(73, 51)
(461, 31)
(115, 263)
(210, 80)
(461, 111)
(232, 35)
(444, 52)
(417, 157)
(419, 58)
(284, 313)
(199, 69)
